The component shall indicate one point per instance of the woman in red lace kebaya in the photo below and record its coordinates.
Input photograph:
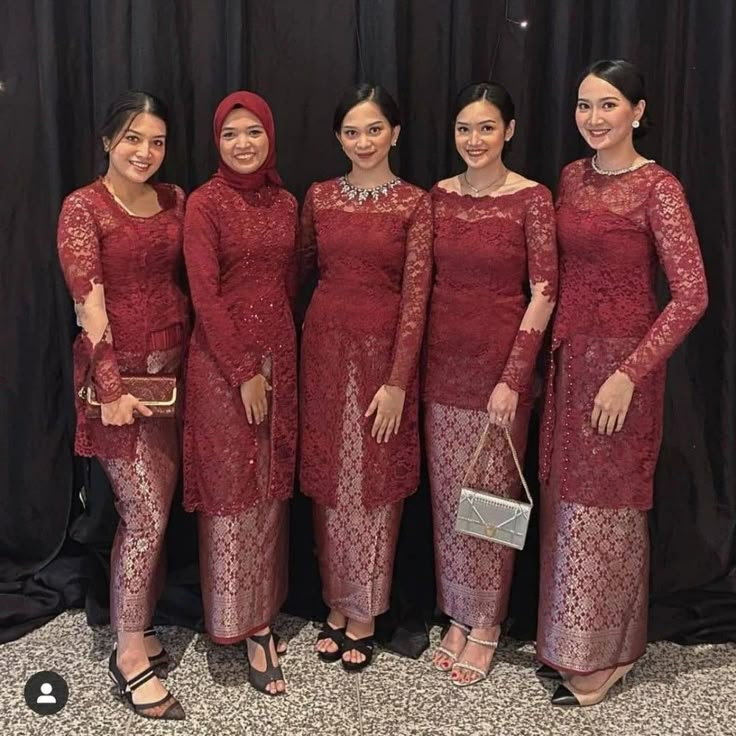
(619, 216)
(494, 233)
(369, 236)
(120, 241)
(241, 413)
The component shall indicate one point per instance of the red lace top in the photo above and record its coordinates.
(240, 250)
(486, 249)
(613, 232)
(138, 262)
(363, 329)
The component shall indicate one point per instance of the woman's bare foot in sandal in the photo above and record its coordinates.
(357, 630)
(326, 645)
(452, 644)
(474, 663)
(259, 663)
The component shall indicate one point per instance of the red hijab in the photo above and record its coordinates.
(267, 173)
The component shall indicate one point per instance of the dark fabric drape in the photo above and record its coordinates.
(61, 63)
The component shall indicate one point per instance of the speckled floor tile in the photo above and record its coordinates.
(678, 691)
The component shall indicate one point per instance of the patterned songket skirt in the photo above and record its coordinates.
(473, 575)
(243, 568)
(355, 545)
(594, 578)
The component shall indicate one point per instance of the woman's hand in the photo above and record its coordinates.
(502, 405)
(611, 404)
(253, 396)
(120, 412)
(388, 406)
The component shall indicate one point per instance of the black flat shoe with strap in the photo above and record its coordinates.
(272, 673)
(168, 708)
(364, 646)
(336, 635)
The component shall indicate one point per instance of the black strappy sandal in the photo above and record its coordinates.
(364, 646)
(272, 673)
(162, 659)
(126, 688)
(337, 635)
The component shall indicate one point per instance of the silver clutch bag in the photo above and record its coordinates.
(483, 514)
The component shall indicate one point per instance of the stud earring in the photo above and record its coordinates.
(393, 143)
(635, 124)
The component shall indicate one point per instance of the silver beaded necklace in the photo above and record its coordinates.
(617, 172)
(361, 194)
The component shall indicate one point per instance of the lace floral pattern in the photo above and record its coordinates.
(125, 275)
(365, 321)
(240, 252)
(486, 251)
(613, 232)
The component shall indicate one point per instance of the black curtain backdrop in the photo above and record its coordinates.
(62, 61)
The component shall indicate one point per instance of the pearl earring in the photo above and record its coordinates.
(393, 143)
(635, 124)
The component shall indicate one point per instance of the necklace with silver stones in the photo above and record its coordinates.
(617, 172)
(361, 194)
(478, 190)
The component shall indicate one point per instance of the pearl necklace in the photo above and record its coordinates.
(361, 194)
(478, 190)
(617, 172)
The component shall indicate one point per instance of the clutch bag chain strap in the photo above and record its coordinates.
(479, 449)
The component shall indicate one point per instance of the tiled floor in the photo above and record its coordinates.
(673, 691)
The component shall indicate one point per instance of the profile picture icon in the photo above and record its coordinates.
(46, 693)
(46, 697)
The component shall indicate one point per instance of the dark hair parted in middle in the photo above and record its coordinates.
(366, 92)
(627, 79)
(496, 94)
(126, 106)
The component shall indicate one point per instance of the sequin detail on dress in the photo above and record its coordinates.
(240, 251)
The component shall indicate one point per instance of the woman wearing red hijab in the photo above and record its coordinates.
(241, 417)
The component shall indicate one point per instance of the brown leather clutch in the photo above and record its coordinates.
(157, 392)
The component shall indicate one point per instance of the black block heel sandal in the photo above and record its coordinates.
(272, 673)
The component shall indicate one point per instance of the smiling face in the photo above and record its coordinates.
(603, 115)
(366, 135)
(243, 142)
(137, 151)
(481, 133)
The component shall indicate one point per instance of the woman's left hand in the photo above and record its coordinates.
(388, 405)
(502, 405)
(611, 404)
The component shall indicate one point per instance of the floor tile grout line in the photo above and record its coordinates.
(360, 705)
(590, 722)
(131, 715)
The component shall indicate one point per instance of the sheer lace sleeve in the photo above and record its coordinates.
(79, 252)
(415, 288)
(541, 247)
(679, 253)
(203, 269)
